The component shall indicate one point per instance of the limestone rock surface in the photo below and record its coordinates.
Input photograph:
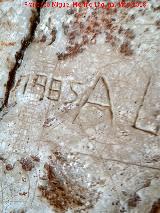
(80, 122)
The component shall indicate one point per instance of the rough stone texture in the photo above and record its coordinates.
(80, 129)
(15, 29)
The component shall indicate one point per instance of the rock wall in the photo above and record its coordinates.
(80, 109)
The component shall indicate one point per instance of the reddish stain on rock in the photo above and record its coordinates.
(132, 202)
(4, 43)
(27, 164)
(129, 34)
(155, 207)
(126, 49)
(85, 28)
(35, 158)
(63, 192)
(9, 167)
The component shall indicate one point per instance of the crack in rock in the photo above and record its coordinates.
(34, 21)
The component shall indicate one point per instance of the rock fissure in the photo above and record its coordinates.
(34, 21)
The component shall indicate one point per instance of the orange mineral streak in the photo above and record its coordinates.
(6, 44)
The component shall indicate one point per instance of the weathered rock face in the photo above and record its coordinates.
(16, 23)
(80, 122)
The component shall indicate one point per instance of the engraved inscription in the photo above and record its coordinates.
(19, 88)
(39, 84)
(98, 94)
(73, 88)
(54, 90)
(22, 83)
(148, 113)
